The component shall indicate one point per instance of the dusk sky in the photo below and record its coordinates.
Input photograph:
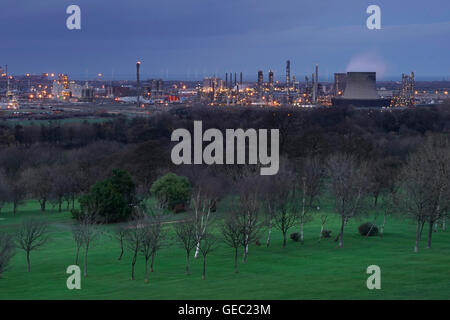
(181, 39)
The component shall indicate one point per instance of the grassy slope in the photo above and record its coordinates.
(311, 271)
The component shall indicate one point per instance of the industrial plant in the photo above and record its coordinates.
(25, 93)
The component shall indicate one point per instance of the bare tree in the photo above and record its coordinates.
(425, 187)
(310, 187)
(186, 236)
(17, 192)
(233, 235)
(77, 233)
(89, 231)
(4, 191)
(348, 185)
(284, 203)
(323, 220)
(7, 251)
(208, 189)
(133, 241)
(39, 183)
(247, 210)
(151, 240)
(207, 245)
(32, 235)
(60, 186)
(119, 234)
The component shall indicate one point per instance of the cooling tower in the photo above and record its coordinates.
(361, 91)
(361, 85)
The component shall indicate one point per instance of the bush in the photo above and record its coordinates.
(111, 200)
(326, 233)
(367, 227)
(295, 236)
(171, 191)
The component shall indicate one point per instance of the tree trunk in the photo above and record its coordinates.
(436, 225)
(443, 224)
(146, 269)
(244, 256)
(76, 255)
(43, 201)
(121, 249)
(133, 262)
(204, 268)
(418, 231)
(236, 260)
(153, 260)
(28, 262)
(14, 207)
(270, 233)
(384, 223)
(421, 229)
(302, 219)
(284, 239)
(85, 261)
(197, 250)
(430, 234)
(59, 204)
(341, 234)
(375, 201)
(187, 263)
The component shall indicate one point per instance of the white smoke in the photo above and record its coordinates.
(367, 62)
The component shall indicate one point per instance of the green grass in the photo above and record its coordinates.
(311, 271)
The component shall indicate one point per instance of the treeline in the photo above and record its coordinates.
(56, 162)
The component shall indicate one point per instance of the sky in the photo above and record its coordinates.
(191, 39)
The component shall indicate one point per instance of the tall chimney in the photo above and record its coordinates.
(138, 83)
(316, 84)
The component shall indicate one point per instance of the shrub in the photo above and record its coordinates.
(369, 229)
(295, 236)
(326, 233)
(171, 190)
(110, 200)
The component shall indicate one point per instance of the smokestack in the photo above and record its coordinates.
(226, 80)
(138, 83)
(316, 84)
(288, 75)
(235, 79)
(240, 80)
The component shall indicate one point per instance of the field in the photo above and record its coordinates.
(310, 271)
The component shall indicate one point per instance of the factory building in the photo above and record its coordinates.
(361, 91)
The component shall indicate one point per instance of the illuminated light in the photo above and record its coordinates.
(445, 92)
(100, 74)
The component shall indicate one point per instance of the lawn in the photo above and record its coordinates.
(310, 271)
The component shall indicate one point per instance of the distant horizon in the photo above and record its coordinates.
(248, 78)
